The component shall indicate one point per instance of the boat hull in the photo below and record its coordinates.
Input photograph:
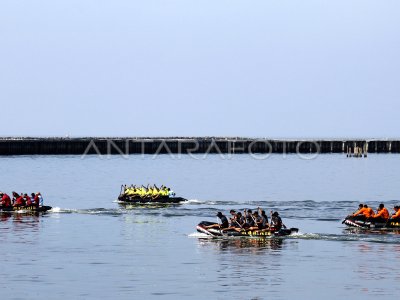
(243, 233)
(27, 209)
(159, 200)
(355, 222)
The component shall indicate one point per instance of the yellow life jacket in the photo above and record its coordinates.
(131, 192)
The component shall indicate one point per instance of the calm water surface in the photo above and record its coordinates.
(90, 247)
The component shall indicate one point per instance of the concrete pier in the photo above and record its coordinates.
(192, 145)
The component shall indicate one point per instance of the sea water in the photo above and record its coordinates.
(90, 247)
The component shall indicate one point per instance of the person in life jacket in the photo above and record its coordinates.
(360, 212)
(143, 192)
(264, 218)
(257, 221)
(249, 221)
(232, 219)
(28, 200)
(224, 222)
(15, 197)
(171, 193)
(382, 214)
(40, 198)
(5, 200)
(165, 192)
(19, 202)
(234, 222)
(276, 222)
(238, 222)
(396, 214)
(368, 212)
(35, 200)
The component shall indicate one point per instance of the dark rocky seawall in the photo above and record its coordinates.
(194, 145)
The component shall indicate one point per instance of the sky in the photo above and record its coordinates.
(277, 69)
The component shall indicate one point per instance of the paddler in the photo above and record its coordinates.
(382, 214)
(149, 193)
(39, 198)
(249, 219)
(28, 200)
(360, 212)
(257, 221)
(35, 198)
(171, 193)
(276, 221)
(142, 192)
(15, 197)
(368, 212)
(235, 221)
(5, 200)
(396, 214)
(232, 212)
(264, 218)
(224, 222)
(19, 201)
(156, 192)
(165, 191)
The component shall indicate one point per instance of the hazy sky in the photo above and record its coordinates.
(199, 68)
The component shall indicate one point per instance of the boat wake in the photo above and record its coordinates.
(55, 210)
(387, 239)
(89, 211)
(371, 238)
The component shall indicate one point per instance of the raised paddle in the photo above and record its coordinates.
(270, 217)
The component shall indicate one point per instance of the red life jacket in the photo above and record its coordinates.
(19, 202)
(6, 201)
(28, 201)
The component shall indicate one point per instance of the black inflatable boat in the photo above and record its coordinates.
(27, 209)
(361, 222)
(201, 227)
(159, 200)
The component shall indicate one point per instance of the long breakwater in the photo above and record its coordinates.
(194, 145)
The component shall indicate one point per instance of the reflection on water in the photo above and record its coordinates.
(19, 221)
(19, 228)
(243, 245)
(362, 231)
(372, 266)
(147, 205)
(249, 268)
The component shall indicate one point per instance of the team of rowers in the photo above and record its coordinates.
(249, 220)
(20, 200)
(382, 214)
(152, 192)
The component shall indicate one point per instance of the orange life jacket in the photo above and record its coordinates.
(383, 213)
(368, 212)
(359, 212)
(396, 215)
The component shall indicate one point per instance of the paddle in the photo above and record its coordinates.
(241, 227)
(254, 220)
(387, 222)
(270, 217)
